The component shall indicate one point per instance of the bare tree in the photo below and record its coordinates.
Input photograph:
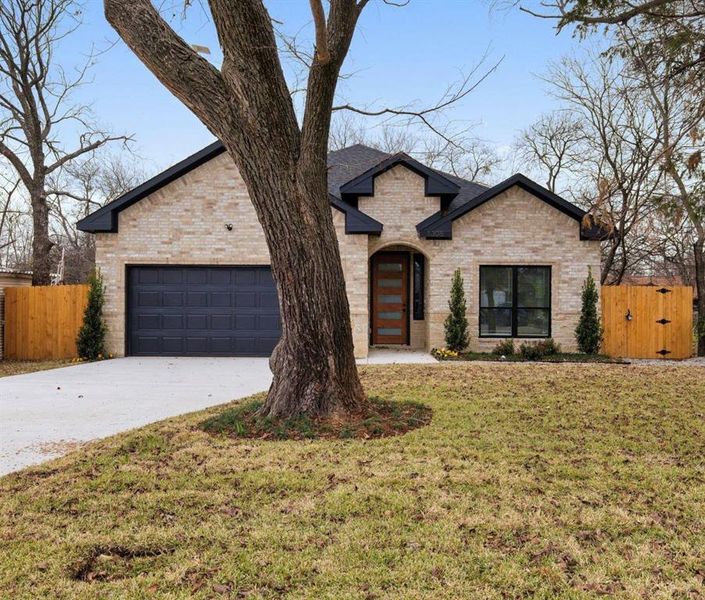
(552, 145)
(620, 149)
(36, 109)
(247, 104)
(78, 189)
(681, 114)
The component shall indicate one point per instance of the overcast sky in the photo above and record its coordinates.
(398, 55)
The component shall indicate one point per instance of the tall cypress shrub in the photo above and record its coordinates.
(588, 333)
(91, 337)
(456, 323)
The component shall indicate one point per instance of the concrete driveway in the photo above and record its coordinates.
(46, 414)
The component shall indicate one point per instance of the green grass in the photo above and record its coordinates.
(17, 367)
(546, 481)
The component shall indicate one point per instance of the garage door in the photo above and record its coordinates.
(201, 311)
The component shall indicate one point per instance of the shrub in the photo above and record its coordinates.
(529, 351)
(504, 348)
(91, 337)
(548, 347)
(456, 324)
(588, 333)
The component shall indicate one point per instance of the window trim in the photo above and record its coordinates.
(514, 308)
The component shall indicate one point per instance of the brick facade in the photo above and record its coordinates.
(185, 223)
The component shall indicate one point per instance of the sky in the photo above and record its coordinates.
(398, 56)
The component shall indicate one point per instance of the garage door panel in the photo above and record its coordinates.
(172, 299)
(196, 321)
(196, 276)
(224, 311)
(173, 345)
(171, 322)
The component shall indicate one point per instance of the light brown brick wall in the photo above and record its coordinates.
(513, 228)
(184, 223)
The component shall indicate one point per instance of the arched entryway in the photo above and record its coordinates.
(398, 289)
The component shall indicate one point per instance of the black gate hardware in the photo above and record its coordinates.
(663, 352)
(663, 291)
(663, 321)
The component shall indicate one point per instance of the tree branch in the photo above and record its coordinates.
(319, 21)
(188, 76)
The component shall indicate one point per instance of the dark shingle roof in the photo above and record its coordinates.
(347, 163)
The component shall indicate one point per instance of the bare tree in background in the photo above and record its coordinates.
(36, 110)
(80, 188)
(248, 105)
(620, 149)
(552, 145)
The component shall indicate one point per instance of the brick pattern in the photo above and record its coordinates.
(185, 223)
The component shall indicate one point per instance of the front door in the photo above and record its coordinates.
(390, 291)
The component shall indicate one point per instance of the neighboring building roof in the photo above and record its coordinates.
(440, 225)
(351, 173)
(15, 273)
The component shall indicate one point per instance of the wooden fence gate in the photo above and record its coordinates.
(647, 321)
(42, 322)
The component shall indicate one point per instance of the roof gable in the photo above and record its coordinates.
(435, 183)
(105, 219)
(440, 226)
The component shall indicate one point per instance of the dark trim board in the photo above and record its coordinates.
(225, 337)
(435, 183)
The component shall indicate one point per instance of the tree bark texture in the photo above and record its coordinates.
(41, 243)
(699, 252)
(247, 105)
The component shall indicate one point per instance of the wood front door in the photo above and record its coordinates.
(390, 292)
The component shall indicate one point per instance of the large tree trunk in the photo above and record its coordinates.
(41, 244)
(247, 104)
(313, 365)
(699, 252)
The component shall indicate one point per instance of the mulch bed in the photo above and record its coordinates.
(382, 418)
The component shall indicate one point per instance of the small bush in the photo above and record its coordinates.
(530, 351)
(548, 347)
(504, 348)
(588, 333)
(90, 342)
(456, 324)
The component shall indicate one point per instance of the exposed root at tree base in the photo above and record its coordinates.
(379, 418)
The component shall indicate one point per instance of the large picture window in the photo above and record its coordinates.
(515, 301)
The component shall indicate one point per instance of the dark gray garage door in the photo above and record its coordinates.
(201, 311)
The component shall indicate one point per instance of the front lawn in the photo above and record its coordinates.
(17, 367)
(531, 480)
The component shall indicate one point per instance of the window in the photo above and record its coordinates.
(515, 301)
(418, 287)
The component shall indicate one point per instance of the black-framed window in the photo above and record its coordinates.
(515, 301)
(419, 276)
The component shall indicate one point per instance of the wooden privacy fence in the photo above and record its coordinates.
(43, 322)
(647, 321)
